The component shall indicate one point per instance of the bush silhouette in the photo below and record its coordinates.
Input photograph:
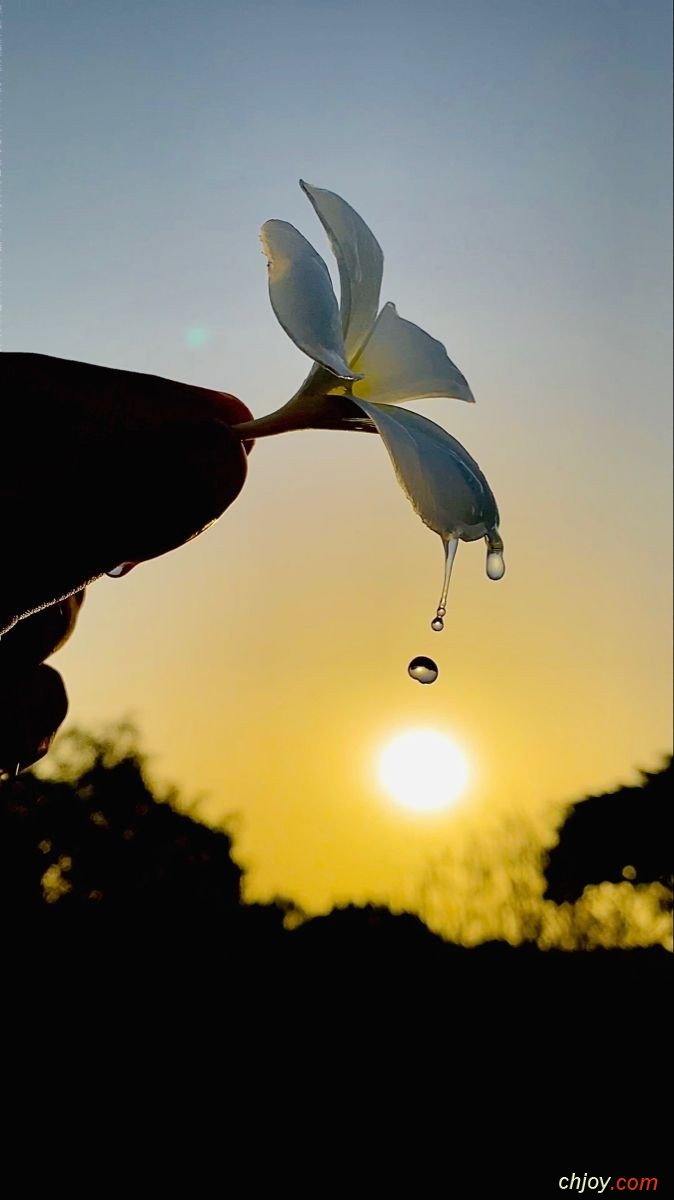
(95, 842)
(98, 839)
(622, 835)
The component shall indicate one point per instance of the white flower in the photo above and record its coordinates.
(365, 363)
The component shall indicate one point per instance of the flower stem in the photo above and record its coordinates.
(308, 412)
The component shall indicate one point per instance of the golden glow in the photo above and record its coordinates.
(423, 771)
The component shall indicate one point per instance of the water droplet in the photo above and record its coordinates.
(450, 546)
(122, 569)
(423, 669)
(495, 563)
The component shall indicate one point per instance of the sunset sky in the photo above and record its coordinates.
(513, 161)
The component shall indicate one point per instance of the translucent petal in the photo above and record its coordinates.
(443, 483)
(360, 261)
(302, 296)
(400, 362)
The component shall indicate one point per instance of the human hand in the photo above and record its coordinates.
(100, 468)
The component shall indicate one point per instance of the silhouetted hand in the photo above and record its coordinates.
(98, 468)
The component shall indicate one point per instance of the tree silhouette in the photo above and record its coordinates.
(98, 839)
(125, 908)
(622, 835)
(95, 842)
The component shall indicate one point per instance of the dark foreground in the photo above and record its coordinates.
(143, 1000)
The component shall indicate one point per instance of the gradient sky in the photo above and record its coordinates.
(513, 160)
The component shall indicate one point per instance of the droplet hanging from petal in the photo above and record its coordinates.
(450, 547)
(122, 569)
(495, 565)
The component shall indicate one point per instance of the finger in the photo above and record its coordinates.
(177, 481)
(135, 497)
(33, 703)
(74, 504)
(35, 638)
(56, 400)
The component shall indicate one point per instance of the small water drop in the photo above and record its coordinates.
(437, 624)
(423, 669)
(122, 569)
(495, 564)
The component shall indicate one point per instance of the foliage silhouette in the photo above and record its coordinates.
(95, 842)
(98, 839)
(135, 951)
(622, 835)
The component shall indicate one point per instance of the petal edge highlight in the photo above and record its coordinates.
(302, 297)
(360, 260)
(443, 483)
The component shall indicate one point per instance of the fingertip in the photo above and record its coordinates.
(176, 482)
(38, 636)
(33, 704)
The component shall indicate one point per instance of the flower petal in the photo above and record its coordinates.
(400, 362)
(443, 483)
(302, 296)
(360, 261)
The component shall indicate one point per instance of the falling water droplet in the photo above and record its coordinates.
(423, 669)
(437, 624)
(495, 562)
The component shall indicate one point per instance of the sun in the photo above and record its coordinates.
(423, 771)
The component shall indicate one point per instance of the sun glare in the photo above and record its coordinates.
(423, 771)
